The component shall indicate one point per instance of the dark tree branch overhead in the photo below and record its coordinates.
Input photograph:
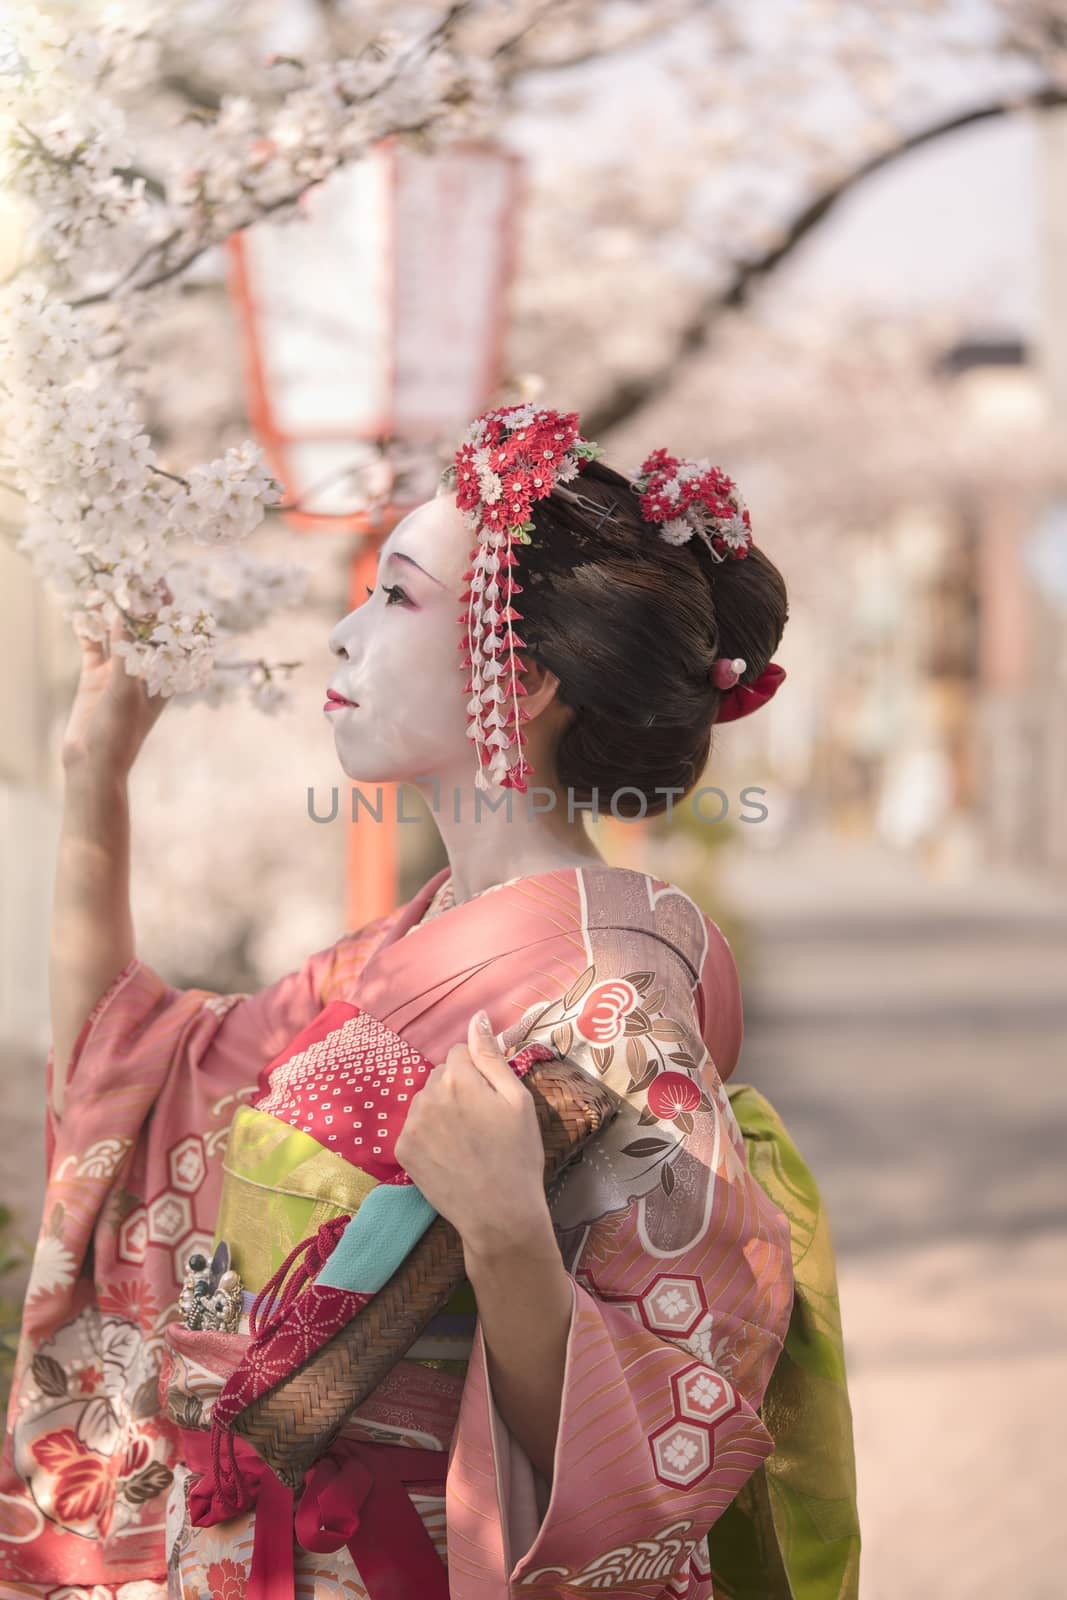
(521, 64)
(630, 397)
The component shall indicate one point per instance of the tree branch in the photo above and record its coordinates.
(629, 398)
(176, 268)
(524, 65)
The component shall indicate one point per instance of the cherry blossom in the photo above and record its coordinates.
(110, 523)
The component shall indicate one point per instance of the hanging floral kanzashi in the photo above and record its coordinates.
(507, 459)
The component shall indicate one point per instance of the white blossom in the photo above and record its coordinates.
(676, 530)
(489, 484)
(733, 531)
(110, 526)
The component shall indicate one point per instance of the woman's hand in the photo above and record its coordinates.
(112, 713)
(472, 1144)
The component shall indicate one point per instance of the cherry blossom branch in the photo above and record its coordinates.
(264, 666)
(193, 254)
(651, 27)
(174, 477)
(633, 395)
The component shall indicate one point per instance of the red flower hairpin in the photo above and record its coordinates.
(507, 459)
(688, 496)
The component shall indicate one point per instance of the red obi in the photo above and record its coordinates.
(355, 1496)
(347, 1080)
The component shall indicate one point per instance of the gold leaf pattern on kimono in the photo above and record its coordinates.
(637, 1021)
(145, 1402)
(645, 1147)
(562, 1038)
(636, 1085)
(186, 1409)
(667, 1029)
(601, 1242)
(603, 1058)
(49, 1376)
(578, 988)
(635, 1058)
(149, 1482)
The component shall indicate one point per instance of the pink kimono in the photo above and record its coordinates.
(680, 1264)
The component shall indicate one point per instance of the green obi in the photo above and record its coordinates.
(793, 1531)
(279, 1186)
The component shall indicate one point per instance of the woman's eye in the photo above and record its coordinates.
(391, 589)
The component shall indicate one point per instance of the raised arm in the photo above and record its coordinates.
(92, 927)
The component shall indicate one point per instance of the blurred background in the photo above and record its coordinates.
(824, 244)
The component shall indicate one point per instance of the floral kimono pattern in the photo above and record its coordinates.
(680, 1262)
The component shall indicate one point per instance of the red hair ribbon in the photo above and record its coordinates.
(745, 698)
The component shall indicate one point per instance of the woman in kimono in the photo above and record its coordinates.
(585, 1413)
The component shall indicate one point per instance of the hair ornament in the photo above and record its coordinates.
(740, 699)
(508, 458)
(687, 496)
(726, 671)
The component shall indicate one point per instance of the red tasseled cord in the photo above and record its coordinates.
(225, 1469)
(267, 1308)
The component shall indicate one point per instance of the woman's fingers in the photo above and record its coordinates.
(487, 1056)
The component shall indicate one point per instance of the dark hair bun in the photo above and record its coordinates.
(632, 626)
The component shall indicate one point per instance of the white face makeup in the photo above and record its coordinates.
(399, 657)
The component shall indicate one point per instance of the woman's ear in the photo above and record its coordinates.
(540, 683)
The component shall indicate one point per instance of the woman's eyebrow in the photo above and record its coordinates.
(398, 555)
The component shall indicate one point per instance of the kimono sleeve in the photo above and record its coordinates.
(135, 1166)
(145, 1029)
(682, 1281)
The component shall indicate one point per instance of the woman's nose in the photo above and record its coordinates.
(337, 641)
(344, 635)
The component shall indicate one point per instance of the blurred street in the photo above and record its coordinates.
(913, 1034)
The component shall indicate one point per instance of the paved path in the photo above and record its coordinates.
(913, 1034)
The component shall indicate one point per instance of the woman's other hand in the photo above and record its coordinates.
(472, 1144)
(112, 713)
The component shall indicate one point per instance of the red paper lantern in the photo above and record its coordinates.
(379, 312)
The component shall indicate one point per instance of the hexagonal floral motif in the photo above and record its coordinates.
(133, 1237)
(625, 1302)
(674, 1304)
(169, 1217)
(187, 1164)
(703, 1395)
(681, 1453)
